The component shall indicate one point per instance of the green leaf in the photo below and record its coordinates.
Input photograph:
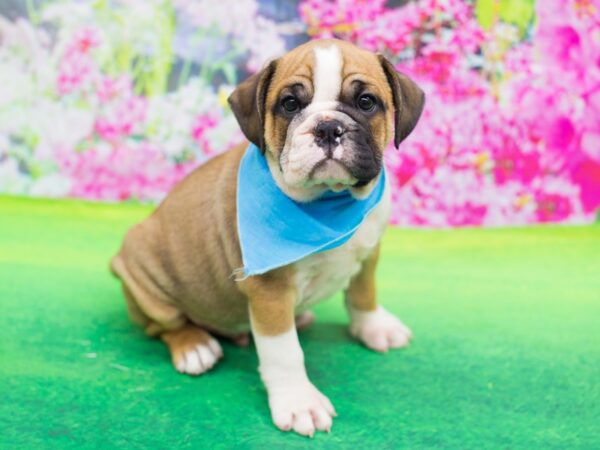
(230, 73)
(516, 12)
(486, 12)
(32, 12)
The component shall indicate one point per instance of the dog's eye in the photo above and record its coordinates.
(290, 104)
(366, 102)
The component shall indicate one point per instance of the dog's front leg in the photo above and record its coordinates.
(370, 323)
(295, 403)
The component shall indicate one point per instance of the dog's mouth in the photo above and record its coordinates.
(331, 174)
(335, 175)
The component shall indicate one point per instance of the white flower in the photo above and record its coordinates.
(52, 185)
(12, 181)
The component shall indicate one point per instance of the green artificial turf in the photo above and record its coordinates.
(506, 353)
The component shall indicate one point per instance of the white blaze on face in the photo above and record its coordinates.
(327, 80)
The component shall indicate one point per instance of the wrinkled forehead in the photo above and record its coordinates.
(329, 68)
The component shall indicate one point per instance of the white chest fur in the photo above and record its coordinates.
(320, 276)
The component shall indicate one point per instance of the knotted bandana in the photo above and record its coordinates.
(275, 230)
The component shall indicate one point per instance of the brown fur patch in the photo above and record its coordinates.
(272, 298)
(361, 294)
(179, 261)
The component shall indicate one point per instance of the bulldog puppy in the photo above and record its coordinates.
(322, 116)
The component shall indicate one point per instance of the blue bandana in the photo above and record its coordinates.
(275, 230)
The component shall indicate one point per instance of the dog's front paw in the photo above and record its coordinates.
(300, 407)
(379, 330)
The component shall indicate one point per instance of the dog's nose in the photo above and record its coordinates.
(328, 133)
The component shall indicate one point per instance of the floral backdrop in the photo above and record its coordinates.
(119, 99)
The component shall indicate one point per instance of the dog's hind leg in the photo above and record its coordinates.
(193, 350)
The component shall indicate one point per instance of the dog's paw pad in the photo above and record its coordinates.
(301, 408)
(201, 358)
(379, 330)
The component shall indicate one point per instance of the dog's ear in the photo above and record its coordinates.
(248, 104)
(408, 98)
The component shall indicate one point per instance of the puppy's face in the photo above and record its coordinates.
(323, 114)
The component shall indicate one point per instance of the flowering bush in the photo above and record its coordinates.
(119, 101)
(96, 114)
(509, 133)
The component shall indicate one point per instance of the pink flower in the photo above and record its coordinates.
(203, 124)
(83, 40)
(121, 118)
(108, 88)
(552, 207)
(587, 175)
(559, 44)
(122, 172)
(77, 67)
(404, 171)
(75, 71)
(559, 133)
(590, 143)
(512, 164)
(326, 18)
